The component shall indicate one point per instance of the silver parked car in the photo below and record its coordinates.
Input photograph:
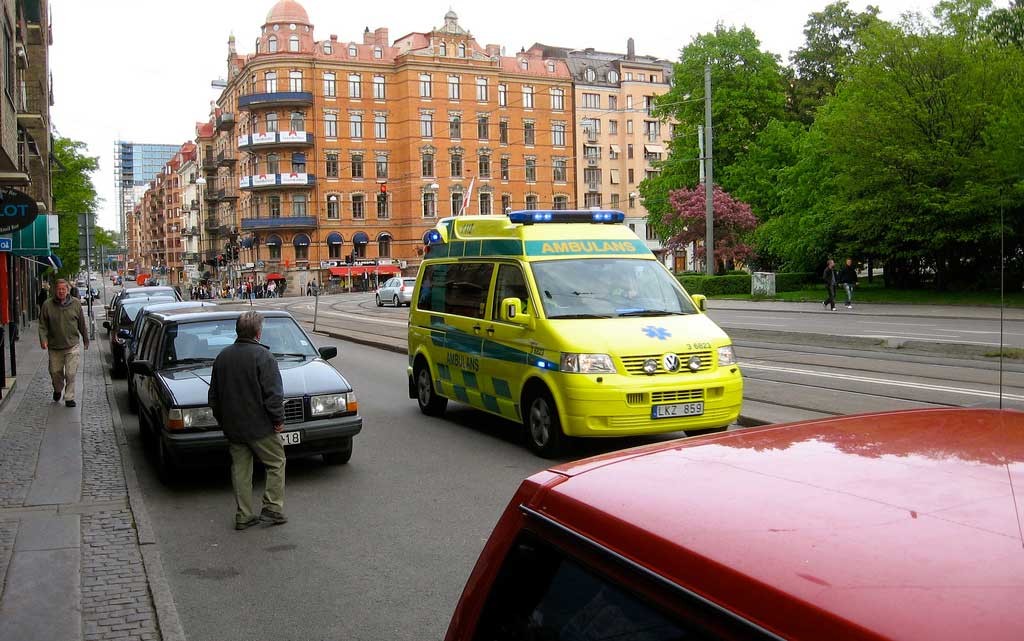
(397, 291)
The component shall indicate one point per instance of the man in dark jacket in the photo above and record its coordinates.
(829, 276)
(247, 399)
(848, 277)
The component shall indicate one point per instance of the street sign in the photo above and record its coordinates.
(18, 210)
(6, 244)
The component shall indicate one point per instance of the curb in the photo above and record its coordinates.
(9, 391)
(163, 601)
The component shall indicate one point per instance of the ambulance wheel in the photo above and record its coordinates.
(543, 428)
(430, 403)
(380, 303)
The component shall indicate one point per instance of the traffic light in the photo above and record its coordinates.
(220, 260)
(384, 188)
(348, 259)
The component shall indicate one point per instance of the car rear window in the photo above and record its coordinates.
(409, 282)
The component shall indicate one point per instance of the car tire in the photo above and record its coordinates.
(165, 467)
(429, 401)
(396, 302)
(713, 430)
(341, 457)
(543, 427)
(133, 402)
(380, 303)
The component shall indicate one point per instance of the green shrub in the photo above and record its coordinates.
(793, 281)
(693, 284)
(716, 285)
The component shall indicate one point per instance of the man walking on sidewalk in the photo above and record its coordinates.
(848, 277)
(61, 325)
(247, 398)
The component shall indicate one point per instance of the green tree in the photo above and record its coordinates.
(1006, 26)
(832, 37)
(748, 91)
(73, 194)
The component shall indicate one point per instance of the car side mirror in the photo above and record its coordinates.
(328, 352)
(701, 301)
(141, 368)
(512, 312)
(106, 324)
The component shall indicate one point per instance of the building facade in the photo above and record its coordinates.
(135, 165)
(327, 152)
(618, 138)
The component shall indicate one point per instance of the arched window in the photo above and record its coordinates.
(384, 245)
(270, 84)
(295, 81)
(462, 49)
(272, 44)
(442, 49)
(293, 43)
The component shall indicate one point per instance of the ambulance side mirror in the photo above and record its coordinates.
(512, 312)
(700, 301)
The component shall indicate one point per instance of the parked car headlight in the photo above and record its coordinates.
(726, 356)
(327, 404)
(190, 418)
(587, 363)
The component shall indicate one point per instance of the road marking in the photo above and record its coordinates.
(879, 381)
(365, 319)
(929, 339)
(900, 324)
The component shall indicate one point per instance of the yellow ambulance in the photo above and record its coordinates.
(565, 322)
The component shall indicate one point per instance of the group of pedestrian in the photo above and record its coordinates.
(847, 277)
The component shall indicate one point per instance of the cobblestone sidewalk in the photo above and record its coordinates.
(113, 598)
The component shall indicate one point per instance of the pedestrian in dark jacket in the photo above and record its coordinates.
(829, 276)
(247, 399)
(848, 278)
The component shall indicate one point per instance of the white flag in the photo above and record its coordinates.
(465, 200)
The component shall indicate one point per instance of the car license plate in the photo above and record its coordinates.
(290, 438)
(677, 410)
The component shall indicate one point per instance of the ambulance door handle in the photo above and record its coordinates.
(490, 331)
(476, 329)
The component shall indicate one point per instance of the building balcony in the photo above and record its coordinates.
(190, 231)
(227, 194)
(190, 257)
(274, 139)
(275, 99)
(211, 225)
(276, 181)
(225, 121)
(226, 159)
(279, 222)
(209, 163)
(212, 195)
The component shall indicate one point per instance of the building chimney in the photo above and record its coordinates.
(380, 37)
(630, 50)
(367, 36)
(493, 50)
(334, 37)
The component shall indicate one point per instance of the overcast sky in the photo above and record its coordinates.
(140, 70)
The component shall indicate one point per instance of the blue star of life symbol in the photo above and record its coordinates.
(657, 332)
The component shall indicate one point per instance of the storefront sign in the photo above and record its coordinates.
(18, 210)
(243, 181)
(264, 180)
(243, 141)
(6, 244)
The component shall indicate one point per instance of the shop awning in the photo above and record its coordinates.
(360, 270)
(273, 239)
(654, 149)
(245, 242)
(275, 276)
(360, 238)
(615, 149)
(301, 240)
(334, 238)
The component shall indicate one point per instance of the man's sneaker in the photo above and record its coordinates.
(245, 525)
(69, 403)
(56, 396)
(275, 518)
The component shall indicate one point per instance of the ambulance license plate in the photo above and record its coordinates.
(290, 438)
(677, 410)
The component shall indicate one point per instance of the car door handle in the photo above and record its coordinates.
(490, 331)
(476, 329)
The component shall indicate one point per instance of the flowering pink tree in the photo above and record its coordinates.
(686, 223)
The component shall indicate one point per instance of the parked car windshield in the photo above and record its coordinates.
(201, 341)
(131, 308)
(608, 288)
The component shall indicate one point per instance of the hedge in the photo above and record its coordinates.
(716, 285)
(793, 281)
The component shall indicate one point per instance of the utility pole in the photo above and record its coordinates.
(709, 209)
(88, 273)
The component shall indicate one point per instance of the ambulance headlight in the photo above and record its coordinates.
(726, 356)
(587, 363)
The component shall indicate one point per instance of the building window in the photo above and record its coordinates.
(293, 43)
(483, 128)
(591, 101)
(462, 49)
(591, 152)
(426, 88)
(504, 168)
(629, 102)
(531, 170)
(333, 207)
(481, 89)
(529, 133)
(272, 44)
(384, 246)
(592, 176)
(332, 164)
(629, 75)
(561, 202)
(442, 49)
(485, 205)
(455, 128)
(378, 88)
(330, 85)
(359, 251)
(297, 121)
(456, 203)
(294, 81)
(551, 66)
(357, 166)
(352, 51)
(527, 97)
(506, 203)
(271, 122)
(613, 127)
(355, 124)
(429, 205)
(426, 125)
(333, 251)
(273, 164)
(328, 49)
(274, 206)
(275, 252)
(531, 202)
(652, 129)
(502, 95)
(355, 87)
(382, 166)
(503, 132)
(613, 102)
(378, 53)
(629, 151)
(613, 76)
(524, 64)
(270, 82)
(427, 165)
(557, 100)
(382, 206)
(331, 125)
(590, 75)
(558, 170)
(615, 201)
(298, 163)
(456, 165)
(558, 135)
(299, 205)
(358, 206)
(632, 201)
(484, 166)
(380, 127)
(631, 176)
(454, 92)
(592, 200)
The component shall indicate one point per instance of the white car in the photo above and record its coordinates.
(397, 291)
